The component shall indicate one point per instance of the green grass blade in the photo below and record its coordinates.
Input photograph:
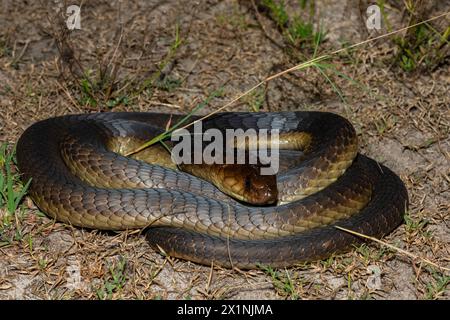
(335, 87)
(21, 194)
(350, 79)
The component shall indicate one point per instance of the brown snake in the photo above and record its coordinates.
(77, 178)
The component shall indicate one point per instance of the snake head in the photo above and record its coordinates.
(245, 183)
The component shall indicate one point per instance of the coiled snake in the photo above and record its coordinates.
(80, 177)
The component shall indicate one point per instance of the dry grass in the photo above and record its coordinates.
(404, 122)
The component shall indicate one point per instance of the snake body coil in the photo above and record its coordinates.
(77, 179)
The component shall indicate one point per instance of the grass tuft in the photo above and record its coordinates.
(116, 280)
(298, 31)
(282, 282)
(422, 47)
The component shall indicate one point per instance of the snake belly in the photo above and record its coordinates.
(78, 179)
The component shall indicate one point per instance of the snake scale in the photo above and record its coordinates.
(79, 177)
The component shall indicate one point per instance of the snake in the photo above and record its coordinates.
(81, 175)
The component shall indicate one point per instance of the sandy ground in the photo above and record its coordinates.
(403, 121)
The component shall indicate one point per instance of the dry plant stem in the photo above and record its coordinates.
(17, 59)
(409, 254)
(258, 18)
(115, 67)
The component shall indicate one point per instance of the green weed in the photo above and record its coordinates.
(12, 190)
(168, 84)
(87, 93)
(5, 50)
(422, 47)
(124, 100)
(116, 280)
(435, 288)
(255, 99)
(277, 12)
(298, 32)
(414, 225)
(282, 282)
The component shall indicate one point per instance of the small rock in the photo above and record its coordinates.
(59, 242)
(336, 282)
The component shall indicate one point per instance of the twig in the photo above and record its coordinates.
(170, 105)
(22, 52)
(409, 254)
(69, 96)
